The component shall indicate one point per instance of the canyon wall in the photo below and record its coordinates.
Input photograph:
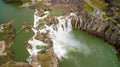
(108, 30)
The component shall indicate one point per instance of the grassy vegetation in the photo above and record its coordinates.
(81, 1)
(25, 1)
(99, 4)
(39, 5)
(56, 12)
(15, 4)
(104, 16)
(89, 8)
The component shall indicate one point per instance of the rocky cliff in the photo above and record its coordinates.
(107, 30)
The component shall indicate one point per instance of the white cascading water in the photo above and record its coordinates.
(34, 42)
(60, 35)
(63, 41)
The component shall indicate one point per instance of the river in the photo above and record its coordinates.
(19, 15)
(96, 52)
(83, 50)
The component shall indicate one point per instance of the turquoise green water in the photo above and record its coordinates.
(99, 54)
(19, 15)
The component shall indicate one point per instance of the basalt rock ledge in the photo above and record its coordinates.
(107, 30)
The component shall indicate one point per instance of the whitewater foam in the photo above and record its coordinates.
(59, 34)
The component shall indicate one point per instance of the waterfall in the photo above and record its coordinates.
(63, 41)
(60, 35)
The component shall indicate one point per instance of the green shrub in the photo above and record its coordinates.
(56, 12)
(89, 8)
(99, 4)
(104, 16)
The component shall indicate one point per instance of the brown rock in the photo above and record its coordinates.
(51, 58)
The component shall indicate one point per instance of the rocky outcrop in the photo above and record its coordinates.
(51, 58)
(7, 35)
(107, 30)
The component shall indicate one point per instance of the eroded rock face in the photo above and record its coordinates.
(103, 29)
(107, 30)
